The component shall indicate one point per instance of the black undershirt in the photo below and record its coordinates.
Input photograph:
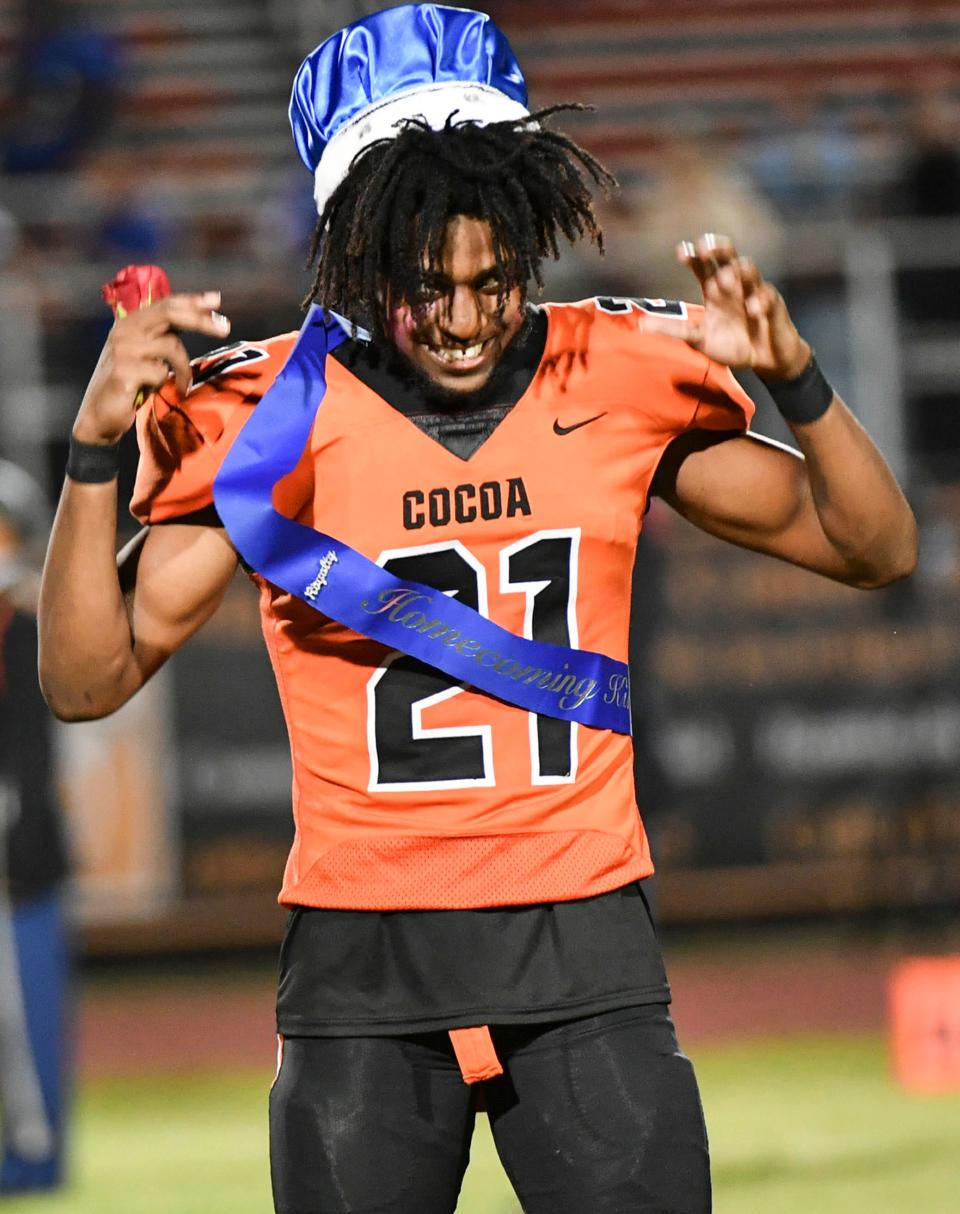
(347, 973)
(352, 973)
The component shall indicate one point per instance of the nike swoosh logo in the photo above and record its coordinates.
(558, 429)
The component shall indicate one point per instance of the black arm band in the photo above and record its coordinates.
(91, 463)
(803, 399)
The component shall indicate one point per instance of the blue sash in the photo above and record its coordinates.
(569, 684)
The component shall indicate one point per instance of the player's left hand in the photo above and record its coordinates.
(745, 322)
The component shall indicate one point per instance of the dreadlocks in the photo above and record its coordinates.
(384, 226)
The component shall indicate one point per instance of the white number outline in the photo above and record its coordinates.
(484, 732)
(531, 590)
(419, 731)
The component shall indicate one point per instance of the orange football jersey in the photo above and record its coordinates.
(409, 791)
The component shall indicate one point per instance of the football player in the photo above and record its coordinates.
(437, 488)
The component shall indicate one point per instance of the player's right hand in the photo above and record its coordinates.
(140, 355)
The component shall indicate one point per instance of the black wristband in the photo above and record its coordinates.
(91, 463)
(803, 399)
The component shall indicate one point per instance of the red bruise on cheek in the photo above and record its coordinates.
(403, 326)
(403, 321)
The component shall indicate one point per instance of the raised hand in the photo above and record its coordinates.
(745, 322)
(141, 353)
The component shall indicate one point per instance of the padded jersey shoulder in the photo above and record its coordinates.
(601, 343)
(183, 439)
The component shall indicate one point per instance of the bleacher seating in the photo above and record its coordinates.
(207, 86)
(731, 66)
(205, 77)
(204, 90)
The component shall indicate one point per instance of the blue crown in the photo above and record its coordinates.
(418, 60)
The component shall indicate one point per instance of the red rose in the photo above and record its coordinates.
(135, 287)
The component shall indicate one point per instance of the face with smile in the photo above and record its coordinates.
(456, 330)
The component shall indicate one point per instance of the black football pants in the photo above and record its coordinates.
(593, 1116)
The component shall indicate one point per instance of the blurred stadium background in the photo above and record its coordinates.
(798, 743)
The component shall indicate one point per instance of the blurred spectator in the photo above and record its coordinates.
(65, 88)
(930, 184)
(810, 167)
(128, 233)
(284, 224)
(697, 189)
(24, 411)
(580, 271)
(929, 188)
(33, 949)
(131, 223)
(692, 189)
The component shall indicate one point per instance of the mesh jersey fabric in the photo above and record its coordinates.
(410, 792)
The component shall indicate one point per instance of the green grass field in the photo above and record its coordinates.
(797, 1126)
